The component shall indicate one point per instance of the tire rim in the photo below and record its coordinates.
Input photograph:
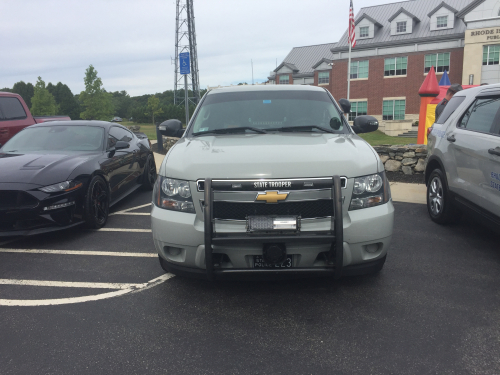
(436, 196)
(99, 199)
(151, 172)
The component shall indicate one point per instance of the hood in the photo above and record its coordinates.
(39, 169)
(280, 155)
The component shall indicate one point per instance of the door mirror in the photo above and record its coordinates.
(171, 128)
(365, 124)
(345, 105)
(121, 145)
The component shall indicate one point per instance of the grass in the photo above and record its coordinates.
(378, 138)
(375, 138)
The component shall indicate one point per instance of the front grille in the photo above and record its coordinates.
(10, 199)
(304, 209)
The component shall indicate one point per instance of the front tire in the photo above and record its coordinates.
(149, 174)
(439, 202)
(97, 203)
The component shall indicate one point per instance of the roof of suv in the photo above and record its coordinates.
(266, 88)
(494, 88)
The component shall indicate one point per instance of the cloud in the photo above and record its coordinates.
(131, 43)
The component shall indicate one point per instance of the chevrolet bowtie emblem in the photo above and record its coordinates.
(271, 196)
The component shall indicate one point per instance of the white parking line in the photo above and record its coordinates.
(123, 230)
(63, 301)
(129, 209)
(133, 213)
(70, 284)
(80, 252)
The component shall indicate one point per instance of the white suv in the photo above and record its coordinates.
(463, 162)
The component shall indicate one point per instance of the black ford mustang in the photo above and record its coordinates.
(59, 174)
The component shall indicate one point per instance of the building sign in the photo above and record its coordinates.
(490, 34)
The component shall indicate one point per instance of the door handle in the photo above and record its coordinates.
(451, 138)
(494, 151)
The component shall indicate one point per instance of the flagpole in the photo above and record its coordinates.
(349, 73)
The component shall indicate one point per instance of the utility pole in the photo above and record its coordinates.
(185, 41)
(252, 70)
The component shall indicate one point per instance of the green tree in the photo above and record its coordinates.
(153, 107)
(96, 102)
(43, 103)
(121, 103)
(26, 90)
(67, 102)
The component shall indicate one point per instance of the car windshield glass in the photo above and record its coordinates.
(270, 111)
(56, 138)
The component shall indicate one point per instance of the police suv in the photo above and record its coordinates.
(271, 180)
(463, 165)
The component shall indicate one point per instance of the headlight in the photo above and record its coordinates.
(172, 194)
(370, 191)
(62, 186)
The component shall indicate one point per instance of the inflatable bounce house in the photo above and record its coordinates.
(431, 93)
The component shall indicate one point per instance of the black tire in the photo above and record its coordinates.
(97, 203)
(439, 203)
(149, 174)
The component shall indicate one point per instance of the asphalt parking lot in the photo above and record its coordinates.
(98, 302)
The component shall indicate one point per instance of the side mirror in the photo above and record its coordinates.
(121, 145)
(345, 105)
(365, 124)
(171, 128)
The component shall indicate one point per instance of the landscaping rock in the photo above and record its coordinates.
(384, 158)
(168, 142)
(410, 154)
(134, 128)
(407, 170)
(409, 161)
(398, 157)
(392, 165)
(392, 154)
(420, 167)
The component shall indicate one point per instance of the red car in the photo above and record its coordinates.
(15, 116)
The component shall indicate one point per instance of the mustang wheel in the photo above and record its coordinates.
(439, 204)
(97, 203)
(149, 174)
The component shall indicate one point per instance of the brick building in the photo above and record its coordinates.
(396, 46)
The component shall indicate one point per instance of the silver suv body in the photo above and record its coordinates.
(463, 163)
(271, 181)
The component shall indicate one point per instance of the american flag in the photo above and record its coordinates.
(352, 27)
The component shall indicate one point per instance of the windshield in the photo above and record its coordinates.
(268, 111)
(56, 138)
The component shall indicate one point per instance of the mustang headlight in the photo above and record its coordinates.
(370, 191)
(62, 186)
(172, 194)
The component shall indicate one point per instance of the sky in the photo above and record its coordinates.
(131, 43)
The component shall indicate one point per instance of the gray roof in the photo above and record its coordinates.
(443, 4)
(469, 7)
(304, 58)
(421, 30)
(363, 16)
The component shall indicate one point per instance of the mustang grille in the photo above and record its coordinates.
(10, 199)
(304, 209)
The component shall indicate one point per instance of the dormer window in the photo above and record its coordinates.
(364, 32)
(442, 22)
(401, 27)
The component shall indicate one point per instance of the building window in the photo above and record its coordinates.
(364, 32)
(440, 61)
(284, 80)
(395, 66)
(401, 27)
(393, 110)
(491, 55)
(442, 21)
(323, 77)
(359, 69)
(358, 109)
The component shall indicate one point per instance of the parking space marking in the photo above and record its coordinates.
(122, 212)
(97, 297)
(133, 213)
(80, 252)
(122, 230)
(70, 284)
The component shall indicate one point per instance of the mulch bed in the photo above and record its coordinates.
(409, 179)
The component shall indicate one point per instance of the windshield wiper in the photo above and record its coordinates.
(231, 130)
(302, 128)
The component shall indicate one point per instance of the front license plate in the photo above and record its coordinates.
(270, 223)
(258, 262)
